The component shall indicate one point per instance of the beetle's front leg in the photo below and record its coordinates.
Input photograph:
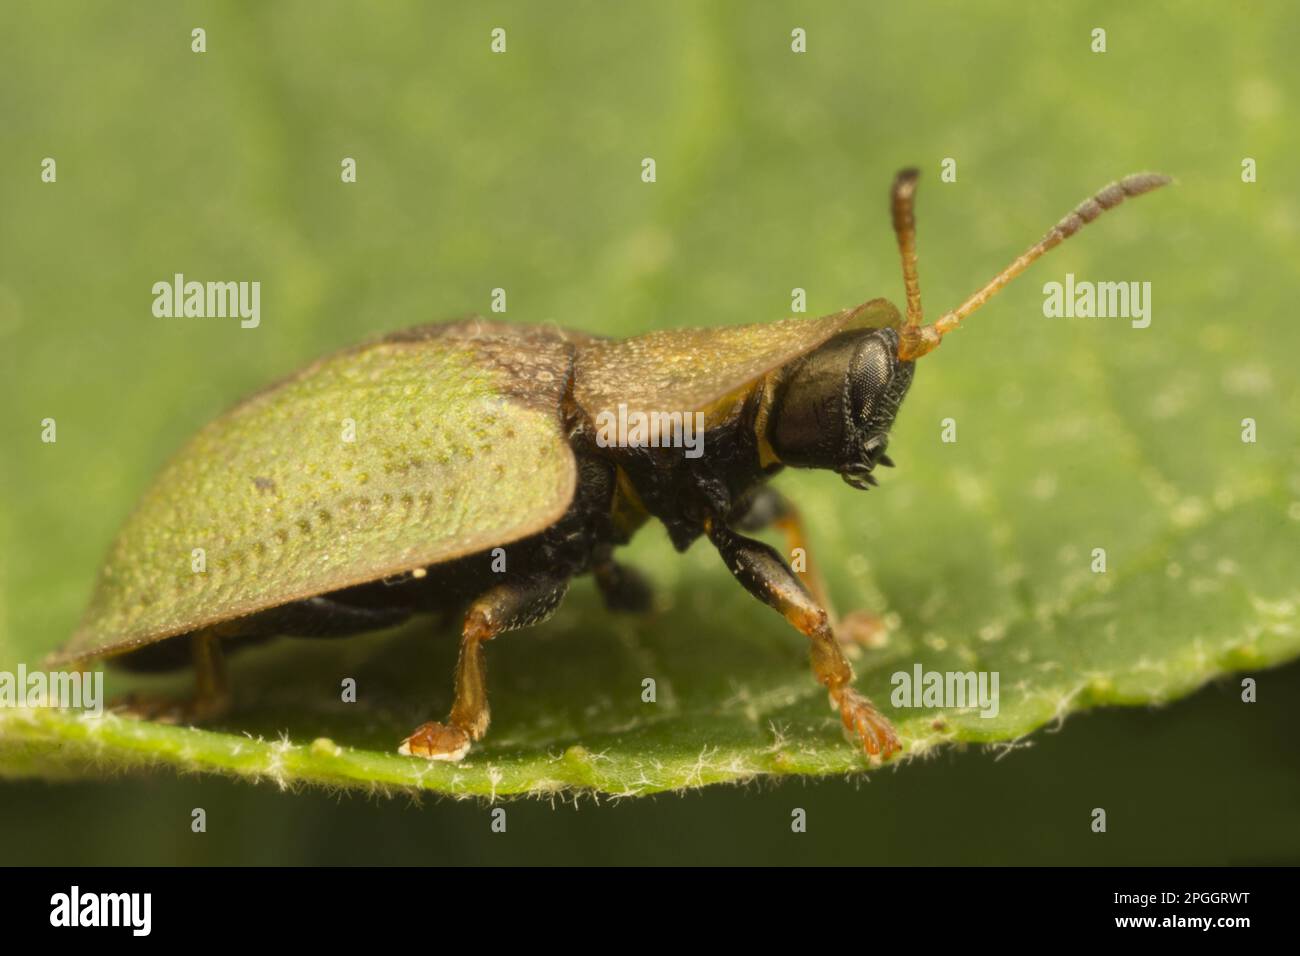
(769, 508)
(762, 572)
(505, 607)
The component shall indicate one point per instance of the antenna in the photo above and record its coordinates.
(900, 197)
(917, 340)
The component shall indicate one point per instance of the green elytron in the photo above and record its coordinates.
(459, 468)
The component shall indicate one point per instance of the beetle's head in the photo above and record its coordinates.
(834, 406)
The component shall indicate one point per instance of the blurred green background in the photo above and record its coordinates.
(522, 171)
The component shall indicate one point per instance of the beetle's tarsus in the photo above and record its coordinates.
(169, 710)
(866, 725)
(435, 741)
(162, 709)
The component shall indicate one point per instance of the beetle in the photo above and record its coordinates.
(475, 481)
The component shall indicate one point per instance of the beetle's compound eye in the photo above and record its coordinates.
(836, 400)
(870, 373)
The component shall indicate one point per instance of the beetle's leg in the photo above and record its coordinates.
(760, 569)
(623, 589)
(211, 688)
(505, 607)
(770, 508)
(211, 684)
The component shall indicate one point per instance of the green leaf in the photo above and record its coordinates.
(478, 171)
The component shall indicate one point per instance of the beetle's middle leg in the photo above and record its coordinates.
(769, 508)
(211, 688)
(505, 607)
(623, 589)
(760, 569)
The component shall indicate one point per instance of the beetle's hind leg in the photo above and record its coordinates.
(507, 606)
(769, 508)
(760, 569)
(211, 688)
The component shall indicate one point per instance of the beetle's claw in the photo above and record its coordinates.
(868, 725)
(435, 741)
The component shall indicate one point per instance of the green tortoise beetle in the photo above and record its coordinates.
(469, 468)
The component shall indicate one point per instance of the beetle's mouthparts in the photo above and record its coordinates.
(859, 473)
(860, 477)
